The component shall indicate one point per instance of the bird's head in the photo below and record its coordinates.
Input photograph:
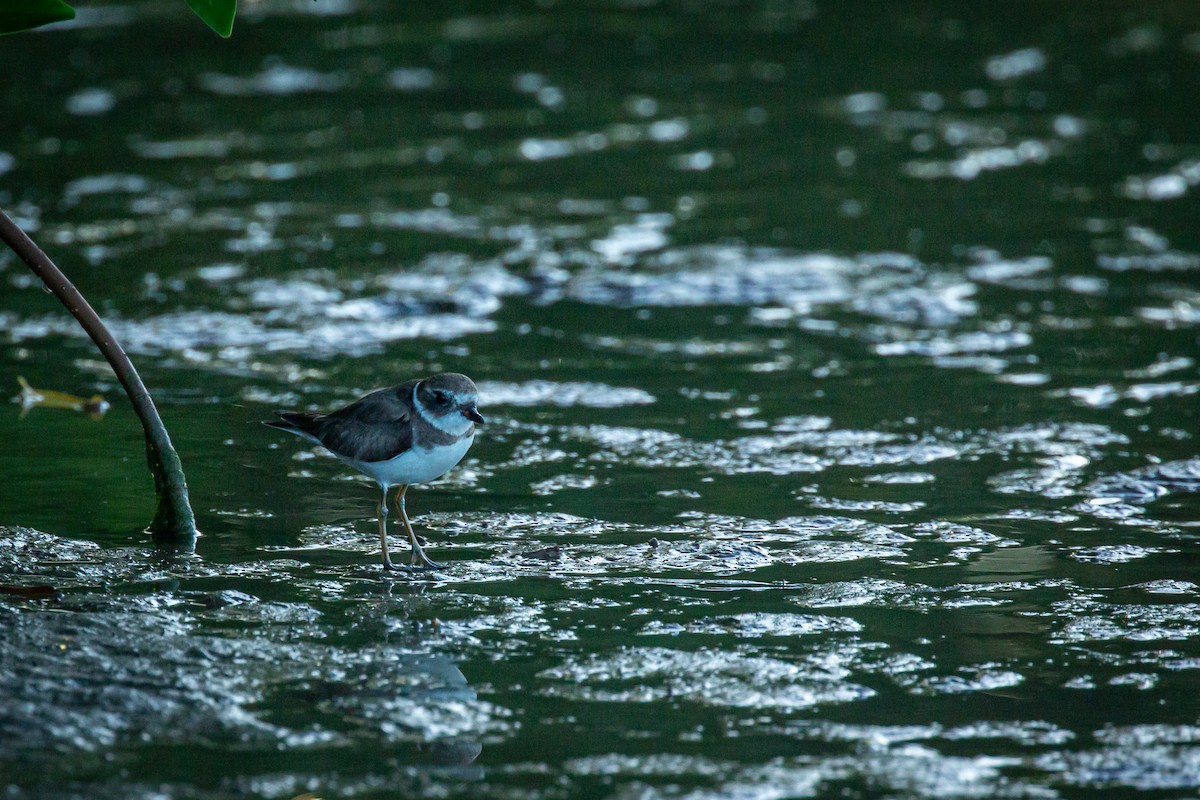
(450, 401)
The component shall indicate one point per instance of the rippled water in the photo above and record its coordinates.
(840, 369)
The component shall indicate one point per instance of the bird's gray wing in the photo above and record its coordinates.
(376, 428)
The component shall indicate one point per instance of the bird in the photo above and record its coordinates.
(411, 433)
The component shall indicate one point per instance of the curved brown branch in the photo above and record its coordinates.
(174, 522)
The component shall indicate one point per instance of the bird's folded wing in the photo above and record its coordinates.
(370, 443)
(376, 428)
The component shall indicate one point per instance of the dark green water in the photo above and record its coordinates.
(839, 362)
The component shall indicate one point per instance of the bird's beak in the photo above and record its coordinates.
(472, 413)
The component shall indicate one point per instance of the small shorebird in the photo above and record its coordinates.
(411, 433)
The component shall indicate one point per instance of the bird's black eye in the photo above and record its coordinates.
(441, 398)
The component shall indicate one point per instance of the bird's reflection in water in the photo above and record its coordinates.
(401, 700)
(410, 705)
(430, 680)
(447, 684)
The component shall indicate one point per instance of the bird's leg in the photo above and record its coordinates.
(418, 554)
(383, 513)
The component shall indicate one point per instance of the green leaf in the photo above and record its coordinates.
(217, 14)
(21, 15)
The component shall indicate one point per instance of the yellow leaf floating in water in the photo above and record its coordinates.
(95, 406)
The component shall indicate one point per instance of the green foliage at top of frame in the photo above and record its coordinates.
(21, 15)
(217, 14)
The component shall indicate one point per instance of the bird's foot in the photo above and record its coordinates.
(423, 562)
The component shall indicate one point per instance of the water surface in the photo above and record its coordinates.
(840, 370)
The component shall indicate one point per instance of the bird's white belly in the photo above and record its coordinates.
(418, 465)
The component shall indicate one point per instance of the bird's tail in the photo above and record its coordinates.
(296, 422)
